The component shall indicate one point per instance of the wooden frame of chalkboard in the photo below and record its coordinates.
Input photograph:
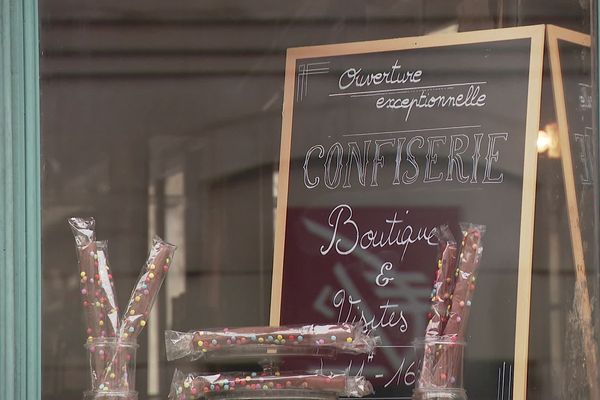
(575, 176)
(534, 35)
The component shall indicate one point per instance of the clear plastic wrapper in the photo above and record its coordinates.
(321, 340)
(146, 289)
(466, 276)
(140, 304)
(96, 282)
(444, 282)
(111, 342)
(257, 385)
(441, 295)
(442, 355)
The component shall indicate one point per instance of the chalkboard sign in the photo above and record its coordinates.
(570, 60)
(382, 142)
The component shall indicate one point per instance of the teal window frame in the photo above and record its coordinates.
(20, 211)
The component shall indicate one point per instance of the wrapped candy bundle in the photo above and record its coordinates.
(443, 346)
(146, 290)
(111, 341)
(444, 282)
(194, 386)
(440, 295)
(96, 283)
(117, 373)
(321, 340)
(466, 275)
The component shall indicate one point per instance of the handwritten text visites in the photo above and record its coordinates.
(386, 316)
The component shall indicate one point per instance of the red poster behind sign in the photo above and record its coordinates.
(373, 265)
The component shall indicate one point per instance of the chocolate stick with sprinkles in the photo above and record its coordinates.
(96, 286)
(146, 290)
(140, 304)
(444, 282)
(195, 386)
(306, 339)
(96, 282)
(447, 367)
(440, 297)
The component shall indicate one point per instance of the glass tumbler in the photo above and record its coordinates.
(440, 375)
(112, 369)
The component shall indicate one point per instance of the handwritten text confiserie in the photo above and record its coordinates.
(450, 158)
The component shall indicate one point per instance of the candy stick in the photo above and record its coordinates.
(440, 297)
(444, 282)
(96, 284)
(138, 310)
(146, 290)
(465, 281)
(307, 339)
(97, 289)
(104, 280)
(105, 292)
(195, 386)
(85, 241)
(447, 367)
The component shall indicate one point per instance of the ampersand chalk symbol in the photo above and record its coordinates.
(381, 279)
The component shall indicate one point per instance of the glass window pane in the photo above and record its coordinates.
(165, 118)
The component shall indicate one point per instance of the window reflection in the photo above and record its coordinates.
(162, 118)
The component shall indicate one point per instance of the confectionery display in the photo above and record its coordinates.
(268, 343)
(96, 281)
(112, 341)
(441, 293)
(444, 282)
(135, 317)
(195, 386)
(452, 298)
(466, 274)
(146, 290)
(321, 340)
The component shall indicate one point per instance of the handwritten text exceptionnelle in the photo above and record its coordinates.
(416, 97)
